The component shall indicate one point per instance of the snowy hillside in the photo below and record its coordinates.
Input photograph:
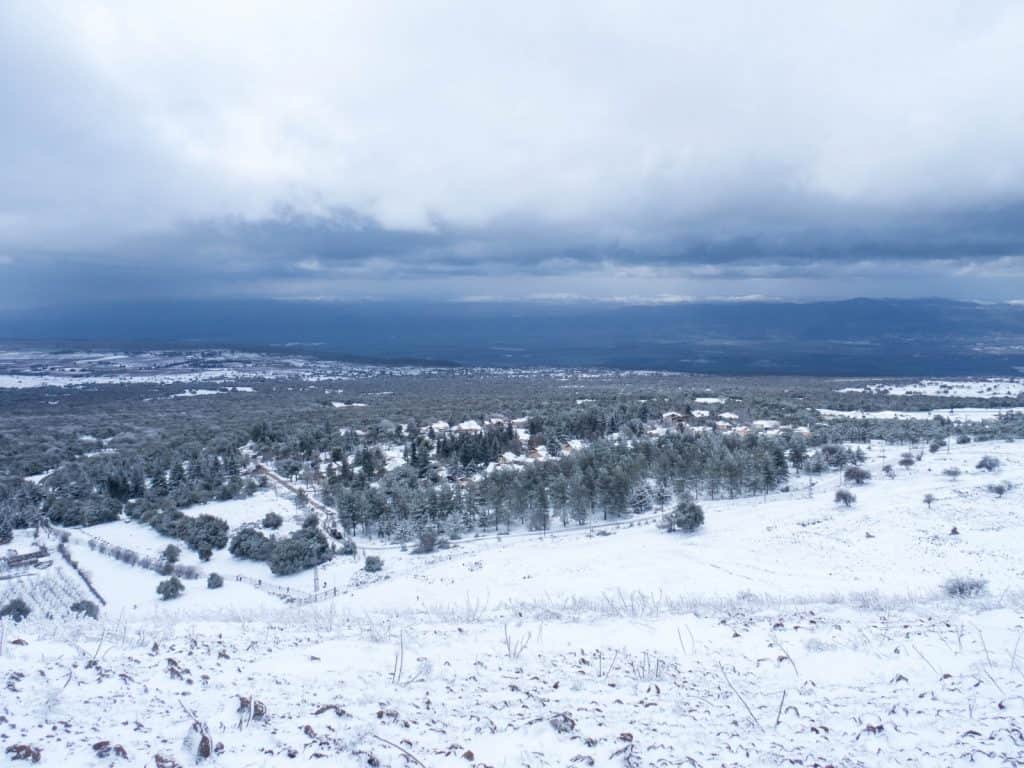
(789, 630)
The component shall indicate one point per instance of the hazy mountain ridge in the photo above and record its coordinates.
(856, 337)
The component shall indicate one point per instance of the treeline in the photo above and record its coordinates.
(21, 504)
(133, 558)
(911, 431)
(97, 489)
(152, 487)
(606, 480)
(202, 533)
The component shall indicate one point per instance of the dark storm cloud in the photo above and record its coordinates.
(225, 257)
(609, 150)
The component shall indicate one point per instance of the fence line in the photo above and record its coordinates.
(78, 570)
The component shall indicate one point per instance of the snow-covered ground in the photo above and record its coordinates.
(952, 414)
(203, 392)
(989, 388)
(885, 686)
(788, 631)
(28, 381)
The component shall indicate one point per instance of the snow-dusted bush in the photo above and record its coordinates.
(988, 463)
(857, 475)
(305, 548)
(186, 571)
(999, 489)
(687, 517)
(16, 609)
(250, 544)
(845, 497)
(86, 608)
(170, 588)
(427, 542)
(348, 547)
(204, 533)
(272, 520)
(214, 581)
(965, 586)
(373, 564)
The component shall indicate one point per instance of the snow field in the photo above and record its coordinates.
(934, 685)
(789, 630)
(994, 387)
(951, 414)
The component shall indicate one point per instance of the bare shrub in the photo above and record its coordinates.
(86, 608)
(965, 586)
(988, 463)
(999, 489)
(514, 646)
(348, 547)
(427, 543)
(845, 497)
(857, 475)
(24, 752)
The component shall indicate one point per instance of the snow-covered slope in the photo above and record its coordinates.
(992, 387)
(789, 631)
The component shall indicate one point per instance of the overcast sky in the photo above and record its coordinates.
(636, 151)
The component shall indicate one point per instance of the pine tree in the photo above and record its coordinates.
(539, 509)
(159, 485)
(177, 478)
(640, 500)
(579, 503)
(558, 492)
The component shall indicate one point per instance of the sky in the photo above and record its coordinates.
(630, 151)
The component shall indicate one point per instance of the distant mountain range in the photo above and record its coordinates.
(860, 337)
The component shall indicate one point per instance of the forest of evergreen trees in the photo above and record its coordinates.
(153, 459)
